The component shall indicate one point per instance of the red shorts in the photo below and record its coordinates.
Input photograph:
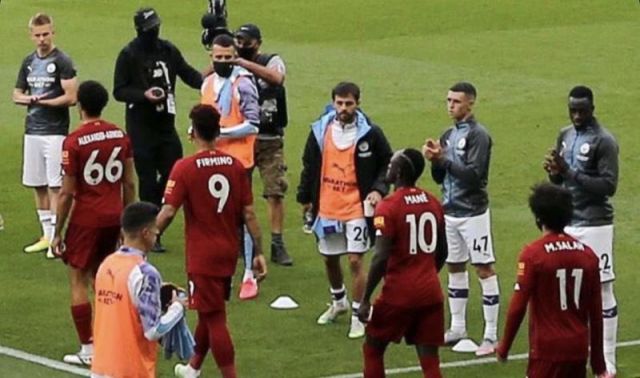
(420, 325)
(87, 247)
(556, 369)
(208, 294)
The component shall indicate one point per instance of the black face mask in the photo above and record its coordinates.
(246, 52)
(223, 69)
(149, 38)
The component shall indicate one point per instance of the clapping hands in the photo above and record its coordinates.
(432, 150)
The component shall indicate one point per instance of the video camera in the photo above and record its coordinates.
(214, 22)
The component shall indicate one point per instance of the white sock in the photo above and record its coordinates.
(86, 349)
(490, 306)
(458, 298)
(609, 325)
(52, 221)
(44, 216)
(355, 306)
(191, 372)
(247, 275)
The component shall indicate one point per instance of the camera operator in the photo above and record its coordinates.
(144, 79)
(269, 70)
(214, 23)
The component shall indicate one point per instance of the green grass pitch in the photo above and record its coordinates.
(523, 56)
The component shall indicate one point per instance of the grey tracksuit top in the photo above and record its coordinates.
(591, 154)
(464, 170)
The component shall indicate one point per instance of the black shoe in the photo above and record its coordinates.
(280, 256)
(158, 247)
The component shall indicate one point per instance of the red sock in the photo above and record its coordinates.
(430, 366)
(228, 371)
(221, 344)
(373, 361)
(201, 336)
(81, 315)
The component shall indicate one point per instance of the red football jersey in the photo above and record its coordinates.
(214, 189)
(411, 217)
(95, 154)
(558, 277)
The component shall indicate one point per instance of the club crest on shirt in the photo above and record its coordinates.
(364, 150)
(462, 143)
(584, 149)
(51, 67)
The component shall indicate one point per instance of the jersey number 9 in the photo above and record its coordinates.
(219, 189)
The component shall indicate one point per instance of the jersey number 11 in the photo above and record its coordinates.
(561, 274)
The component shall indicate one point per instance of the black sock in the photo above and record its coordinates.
(276, 239)
(337, 295)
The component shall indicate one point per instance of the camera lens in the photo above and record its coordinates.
(158, 92)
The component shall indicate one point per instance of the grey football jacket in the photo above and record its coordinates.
(591, 154)
(464, 170)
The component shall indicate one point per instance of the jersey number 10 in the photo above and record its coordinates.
(417, 232)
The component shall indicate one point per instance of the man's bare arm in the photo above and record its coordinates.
(128, 183)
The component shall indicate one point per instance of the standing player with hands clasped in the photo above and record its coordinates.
(411, 248)
(558, 277)
(585, 161)
(47, 86)
(460, 163)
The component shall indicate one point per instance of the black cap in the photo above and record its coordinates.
(249, 31)
(146, 19)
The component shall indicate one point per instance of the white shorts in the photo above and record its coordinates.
(42, 160)
(354, 238)
(470, 238)
(600, 239)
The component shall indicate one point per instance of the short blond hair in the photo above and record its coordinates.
(40, 19)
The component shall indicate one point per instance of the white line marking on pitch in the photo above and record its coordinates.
(463, 363)
(57, 365)
(53, 364)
